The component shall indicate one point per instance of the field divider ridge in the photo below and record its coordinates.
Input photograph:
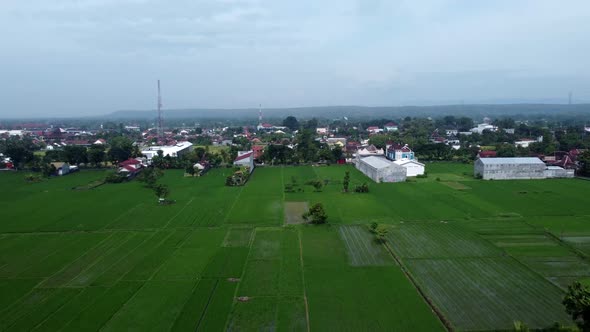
(303, 280)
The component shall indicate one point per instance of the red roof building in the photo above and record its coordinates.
(244, 156)
(130, 162)
(258, 151)
(487, 154)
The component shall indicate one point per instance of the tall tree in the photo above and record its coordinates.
(96, 155)
(19, 150)
(346, 181)
(161, 191)
(379, 141)
(75, 154)
(584, 160)
(121, 149)
(291, 123)
(506, 150)
(311, 124)
(307, 147)
(577, 304)
(464, 123)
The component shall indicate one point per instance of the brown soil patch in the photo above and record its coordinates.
(293, 212)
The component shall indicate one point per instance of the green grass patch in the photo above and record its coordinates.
(238, 237)
(142, 313)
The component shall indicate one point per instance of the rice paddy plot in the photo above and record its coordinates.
(142, 313)
(362, 247)
(185, 264)
(218, 307)
(507, 225)
(488, 293)
(528, 245)
(438, 239)
(30, 250)
(35, 314)
(62, 256)
(71, 309)
(579, 242)
(94, 316)
(272, 274)
(563, 226)
(126, 264)
(238, 237)
(544, 255)
(14, 289)
(268, 314)
(194, 308)
(95, 254)
(90, 274)
(228, 262)
(367, 298)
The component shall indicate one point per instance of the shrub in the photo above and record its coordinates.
(373, 227)
(317, 184)
(363, 188)
(33, 178)
(114, 178)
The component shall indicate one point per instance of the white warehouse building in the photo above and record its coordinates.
(412, 166)
(380, 169)
(517, 168)
(176, 150)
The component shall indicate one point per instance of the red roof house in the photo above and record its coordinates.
(487, 154)
(258, 150)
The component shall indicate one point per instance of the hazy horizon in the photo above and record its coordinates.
(92, 57)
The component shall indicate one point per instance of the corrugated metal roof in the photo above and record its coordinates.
(408, 161)
(554, 167)
(514, 160)
(377, 162)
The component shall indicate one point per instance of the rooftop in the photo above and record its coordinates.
(515, 160)
(177, 147)
(244, 156)
(377, 162)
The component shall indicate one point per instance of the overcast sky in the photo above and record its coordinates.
(85, 57)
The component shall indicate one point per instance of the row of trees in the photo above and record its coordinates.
(304, 150)
(22, 152)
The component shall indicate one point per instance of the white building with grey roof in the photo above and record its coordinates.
(515, 168)
(380, 169)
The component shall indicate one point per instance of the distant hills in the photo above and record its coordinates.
(364, 112)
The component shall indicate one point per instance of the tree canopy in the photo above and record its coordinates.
(291, 123)
(121, 149)
(577, 304)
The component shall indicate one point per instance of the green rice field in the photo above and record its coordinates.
(460, 254)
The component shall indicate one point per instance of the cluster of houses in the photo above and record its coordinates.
(6, 163)
(394, 163)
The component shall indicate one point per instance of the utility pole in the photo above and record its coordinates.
(160, 127)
